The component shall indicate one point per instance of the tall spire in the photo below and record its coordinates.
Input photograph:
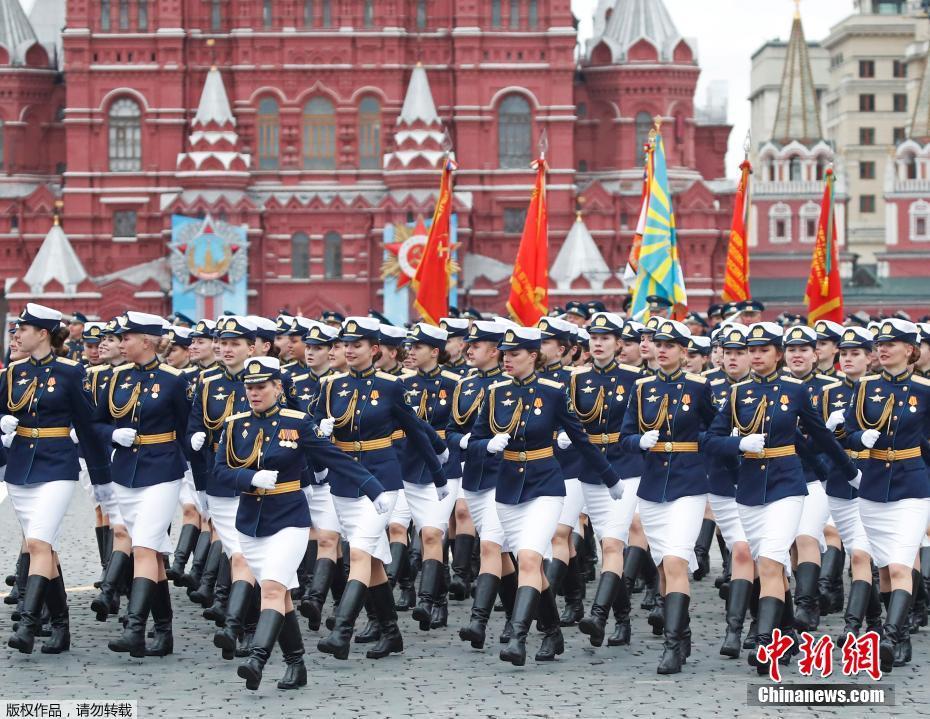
(418, 102)
(214, 103)
(55, 261)
(797, 116)
(626, 22)
(16, 33)
(418, 132)
(920, 122)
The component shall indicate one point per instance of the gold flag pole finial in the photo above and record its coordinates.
(56, 214)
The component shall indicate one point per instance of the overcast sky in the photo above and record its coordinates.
(728, 32)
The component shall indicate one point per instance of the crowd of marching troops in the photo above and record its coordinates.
(316, 469)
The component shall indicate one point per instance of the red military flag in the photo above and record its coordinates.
(431, 281)
(824, 294)
(632, 263)
(529, 285)
(736, 281)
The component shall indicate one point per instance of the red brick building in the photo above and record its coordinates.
(322, 124)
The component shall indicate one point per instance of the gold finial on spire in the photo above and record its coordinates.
(56, 214)
(797, 9)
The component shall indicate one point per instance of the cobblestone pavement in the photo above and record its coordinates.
(438, 676)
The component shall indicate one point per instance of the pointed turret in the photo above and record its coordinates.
(418, 132)
(47, 18)
(625, 23)
(798, 115)
(16, 33)
(579, 257)
(56, 261)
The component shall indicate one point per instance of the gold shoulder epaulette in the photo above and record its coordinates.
(740, 384)
(869, 377)
(240, 415)
(710, 371)
(169, 369)
(581, 370)
(385, 375)
(300, 377)
(69, 362)
(719, 380)
(551, 383)
(643, 380)
(793, 380)
(826, 377)
(500, 383)
(451, 375)
(296, 414)
(210, 378)
(120, 368)
(701, 379)
(920, 380)
(832, 385)
(97, 368)
(630, 368)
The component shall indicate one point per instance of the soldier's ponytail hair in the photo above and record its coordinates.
(57, 338)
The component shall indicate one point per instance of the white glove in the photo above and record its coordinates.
(197, 440)
(752, 443)
(649, 440)
(854, 482)
(442, 492)
(444, 457)
(7, 439)
(8, 424)
(320, 476)
(265, 478)
(104, 493)
(616, 492)
(563, 441)
(382, 505)
(497, 443)
(326, 426)
(870, 437)
(463, 442)
(73, 435)
(124, 436)
(835, 419)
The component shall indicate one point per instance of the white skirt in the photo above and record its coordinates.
(572, 506)
(223, 512)
(772, 528)
(483, 510)
(530, 525)
(202, 505)
(400, 515)
(322, 510)
(363, 526)
(815, 514)
(276, 558)
(726, 515)
(425, 507)
(147, 513)
(189, 490)
(672, 528)
(40, 508)
(609, 517)
(848, 523)
(894, 529)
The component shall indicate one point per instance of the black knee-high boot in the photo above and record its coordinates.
(589, 556)
(873, 615)
(399, 566)
(460, 584)
(831, 570)
(252, 612)
(524, 609)
(187, 538)
(337, 643)
(770, 612)
(30, 619)
(594, 625)
(390, 640)
(507, 591)
(324, 573)
(724, 577)
(269, 626)
(553, 644)
(737, 603)
(163, 640)
(892, 647)
(292, 647)
(702, 548)
(217, 610)
(56, 599)
(621, 607)
(19, 581)
(305, 570)
(806, 598)
(203, 594)
(137, 614)
(485, 593)
(191, 579)
(107, 602)
(101, 535)
(918, 614)
(429, 592)
(750, 641)
(573, 586)
(676, 620)
(371, 632)
(859, 594)
(240, 598)
(651, 588)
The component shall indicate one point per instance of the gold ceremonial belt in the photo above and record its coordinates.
(528, 456)
(604, 438)
(785, 450)
(853, 454)
(162, 438)
(398, 434)
(277, 489)
(43, 432)
(894, 455)
(669, 447)
(366, 445)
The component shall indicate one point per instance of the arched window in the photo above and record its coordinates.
(643, 126)
(919, 213)
(496, 13)
(327, 13)
(911, 166)
(143, 14)
(300, 256)
(533, 14)
(421, 14)
(105, 10)
(319, 125)
(268, 123)
(807, 222)
(216, 15)
(368, 14)
(308, 13)
(794, 169)
(267, 14)
(123, 14)
(332, 256)
(125, 136)
(514, 131)
(821, 167)
(369, 134)
(780, 223)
